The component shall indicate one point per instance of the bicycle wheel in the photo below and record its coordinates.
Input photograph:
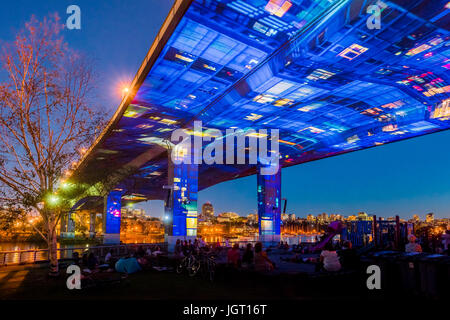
(193, 268)
(180, 266)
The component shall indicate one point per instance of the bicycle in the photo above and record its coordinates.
(190, 264)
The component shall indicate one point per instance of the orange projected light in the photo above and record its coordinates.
(278, 7)
(353, 51)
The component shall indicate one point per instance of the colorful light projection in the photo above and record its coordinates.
(314, 71)
(269, 203)
(113, 212)
(184, 197)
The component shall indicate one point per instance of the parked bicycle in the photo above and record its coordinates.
(192, 264)
(189, 263)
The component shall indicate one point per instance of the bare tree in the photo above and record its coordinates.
(45, 117)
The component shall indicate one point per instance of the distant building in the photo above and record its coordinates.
(227, 216)
(362, 216)
(252, 218)
(429, 217)
(130, 212)
(207, 211)
(334, 217)
(310, 217)
(291, 217)
(284, 217)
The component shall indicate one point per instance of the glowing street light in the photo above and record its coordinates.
(53, 199)
(65, 185)
(125, 91)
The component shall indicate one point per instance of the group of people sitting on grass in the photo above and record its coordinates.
(252, 258)
(133, 262)
(332, 257)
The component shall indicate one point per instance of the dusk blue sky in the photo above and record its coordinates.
(405, 178)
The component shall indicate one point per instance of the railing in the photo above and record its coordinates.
(41, 255)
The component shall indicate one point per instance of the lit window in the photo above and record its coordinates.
(320, 74)
(353, 51)
(312, 130)
(283, 102)
(256, 135)
(278, 7)
(390, 128)
(253, 117)
(372, 112)
(352, 139)
(310, 107)
(144, 126)
(264, 98)
(393, 105)
(280, 87)
(168, 121)
(443, 111)
(417, 50)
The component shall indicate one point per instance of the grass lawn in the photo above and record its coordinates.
(32, 282)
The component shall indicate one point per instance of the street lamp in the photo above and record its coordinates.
(53, 199)
(125, 91)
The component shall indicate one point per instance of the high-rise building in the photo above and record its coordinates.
(227, 216)
(322, 217)
(207, 211)
(429, 217)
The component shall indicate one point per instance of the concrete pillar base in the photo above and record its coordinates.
(111, 238)
(172, 240)
(67, 235)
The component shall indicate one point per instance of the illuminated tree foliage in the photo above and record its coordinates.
(46, 115)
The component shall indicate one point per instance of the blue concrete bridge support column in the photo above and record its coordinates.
(111, 217)
(181, 203)
(269, 206)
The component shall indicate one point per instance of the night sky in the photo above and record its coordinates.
(404, 178)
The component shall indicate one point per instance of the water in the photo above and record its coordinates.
(14, 246)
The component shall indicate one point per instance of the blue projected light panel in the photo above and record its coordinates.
(312, 69)
(185, 190)
(113, 211)
(269, 203)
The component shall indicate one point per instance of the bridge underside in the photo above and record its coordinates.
(322, 72)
